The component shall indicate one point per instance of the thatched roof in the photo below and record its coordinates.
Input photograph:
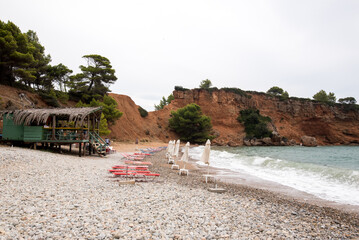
(40, 116)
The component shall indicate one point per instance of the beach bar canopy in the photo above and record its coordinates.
(40, 116)
(54, 125)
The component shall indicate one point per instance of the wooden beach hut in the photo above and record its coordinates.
(55, 127)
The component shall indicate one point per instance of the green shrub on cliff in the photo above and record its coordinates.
(278, 92)
(255, 125)
(322, 96)
(164, 102)
(236, 91)
(190, 124)
(109, 108)
(143, 112)
(180, 88)
(205, 84)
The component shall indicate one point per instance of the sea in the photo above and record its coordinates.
(328, 172)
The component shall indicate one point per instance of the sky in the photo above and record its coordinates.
(301, 46)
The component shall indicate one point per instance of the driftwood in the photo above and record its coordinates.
(40, 116)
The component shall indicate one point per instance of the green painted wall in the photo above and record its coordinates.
(33, 133)
(11, 131)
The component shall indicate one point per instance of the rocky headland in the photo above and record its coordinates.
(294, 121)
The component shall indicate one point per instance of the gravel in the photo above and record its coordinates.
(46, 195)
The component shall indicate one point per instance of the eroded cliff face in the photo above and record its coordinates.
(292, 119)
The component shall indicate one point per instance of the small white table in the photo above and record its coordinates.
(209, 178)
(183, 172)
(175, 166)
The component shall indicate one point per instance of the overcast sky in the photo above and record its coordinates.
(301, 46)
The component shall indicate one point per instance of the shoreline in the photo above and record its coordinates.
(231, 177)
(284, 196)
(53, 195)
(287, 192)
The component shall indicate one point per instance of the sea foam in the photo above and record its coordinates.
(327, 182)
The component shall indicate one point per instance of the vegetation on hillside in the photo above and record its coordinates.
(205, 84)
(24, 64)
(322, 96)
(278, 92)
(255, 125)
(190, 124)
(143, 112)
(164, 101)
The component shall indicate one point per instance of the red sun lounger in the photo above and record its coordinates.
(132, 157)
(130, 171)
(135, 163)
(129, 167)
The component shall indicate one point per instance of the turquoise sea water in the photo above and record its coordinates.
(330, 172)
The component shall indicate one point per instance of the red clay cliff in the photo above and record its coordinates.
(291, 119)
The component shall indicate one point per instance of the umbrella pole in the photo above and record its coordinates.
(208, 170)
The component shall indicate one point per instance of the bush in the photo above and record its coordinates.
(205, 84)
(275, 91)
(62, 97)
(143, 112)
(108, 108)
(255, 125)
(180, 88)
(322, 96)
(347, 100)
(164, 102)
(236, 91)
(190, 124)
(49, 98)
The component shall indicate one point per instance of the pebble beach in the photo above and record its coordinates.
(47, 195)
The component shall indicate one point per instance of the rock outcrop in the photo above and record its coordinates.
(291, 119)
(309, 141)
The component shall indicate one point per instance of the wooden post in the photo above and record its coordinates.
(53, 127)
(90, 148)
(93, 122)
(80, 148)
(35, 146)
(88, 127)
(70, 146)
(98, 125)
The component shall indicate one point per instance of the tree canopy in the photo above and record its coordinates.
(322, 96)
(255, 125)
(190, 124)
(20, 54)
(95, 77)
(276, 91)
(347, 100)
(205, 84)
(164, 101)
(61, 75)
(111, 113)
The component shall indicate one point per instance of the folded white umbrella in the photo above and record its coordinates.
(205, 154)
(177, 148)
(173, 148)
(168, 147)
(185, 154)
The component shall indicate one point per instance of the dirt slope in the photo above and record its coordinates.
(132, 126)
(10, 98)
(292, 119)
